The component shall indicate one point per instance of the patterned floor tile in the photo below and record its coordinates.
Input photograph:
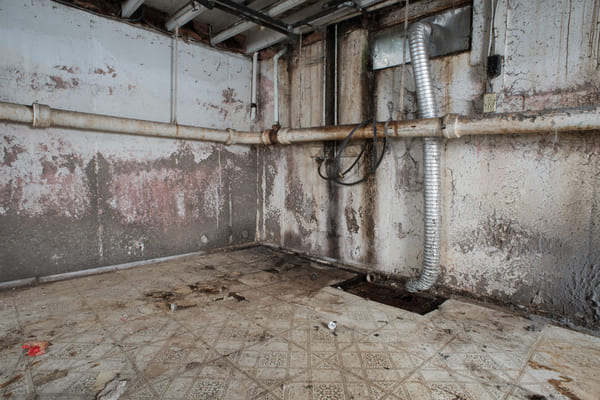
(264, 335)
(273, 362)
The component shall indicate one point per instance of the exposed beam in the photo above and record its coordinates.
(128, 7)
(184, 15)
(419, 10)
(259, 40)
(243, 26)
(250, 14)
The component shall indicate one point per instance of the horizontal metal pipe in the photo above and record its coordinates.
(16, 113)
(451, 126)
(561, 120)
(42, 116)
(416, 128)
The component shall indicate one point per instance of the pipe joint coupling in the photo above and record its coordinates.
(42, 115)
(232, 136)
(282, 136)
(450, 126)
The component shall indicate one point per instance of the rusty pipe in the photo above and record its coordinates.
(415, 128)
(454, 126)
(451, 126)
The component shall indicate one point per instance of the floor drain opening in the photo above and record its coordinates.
(421, 303)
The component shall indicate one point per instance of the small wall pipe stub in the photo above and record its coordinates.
(276, 85)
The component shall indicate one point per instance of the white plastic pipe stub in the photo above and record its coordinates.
(371, 277)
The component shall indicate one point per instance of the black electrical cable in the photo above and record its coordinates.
(338, 174)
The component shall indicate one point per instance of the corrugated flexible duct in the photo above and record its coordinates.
(418, 38)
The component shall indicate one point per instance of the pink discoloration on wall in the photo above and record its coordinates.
(109, 71)
(56, 82)
(161, 196)
(51, 180)
(70, 70)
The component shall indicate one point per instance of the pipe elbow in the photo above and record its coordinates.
(420, 29)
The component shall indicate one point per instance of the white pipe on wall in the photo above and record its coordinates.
(174, 77)
(276, 85)
(253, 96)
(42, 116)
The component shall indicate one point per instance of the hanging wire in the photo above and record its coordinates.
(401, 104)
(336, 174)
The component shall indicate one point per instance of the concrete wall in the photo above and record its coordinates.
(520, 213)
(72, 200)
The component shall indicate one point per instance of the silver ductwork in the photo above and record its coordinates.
(418, 38)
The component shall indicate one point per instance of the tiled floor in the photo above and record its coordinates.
(255, 328)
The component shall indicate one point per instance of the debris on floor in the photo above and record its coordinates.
(103, 378)
(182, 296)
(113, 390)
(52, 376)
(268, 338)
(36, 348)
(236, 296)
(11, 381)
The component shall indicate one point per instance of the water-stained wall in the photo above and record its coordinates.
(520, 213)
(72, 199)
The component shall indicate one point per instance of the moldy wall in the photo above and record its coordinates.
(520, 213)
(74, 199)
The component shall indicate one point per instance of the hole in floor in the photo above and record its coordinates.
(421, 303)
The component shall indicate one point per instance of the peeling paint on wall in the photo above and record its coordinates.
(520, 213)
(72, 200)
(70, 59)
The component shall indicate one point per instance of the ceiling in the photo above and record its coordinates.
(290, 17)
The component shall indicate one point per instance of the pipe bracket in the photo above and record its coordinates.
(42, 115)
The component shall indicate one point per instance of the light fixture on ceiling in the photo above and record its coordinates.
(184, 15)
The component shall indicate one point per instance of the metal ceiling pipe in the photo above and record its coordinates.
(242, 26)
(276, 85)
(42, 116)
(418, 38)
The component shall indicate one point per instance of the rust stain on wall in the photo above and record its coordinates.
(351, 221)
(60, 83)
(229, 96)
(108, 71)
(70, 70)
(64, 209)
(11, 152)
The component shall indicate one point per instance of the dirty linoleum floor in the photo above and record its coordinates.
(251, 324)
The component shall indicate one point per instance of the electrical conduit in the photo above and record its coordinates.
(418, 38)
